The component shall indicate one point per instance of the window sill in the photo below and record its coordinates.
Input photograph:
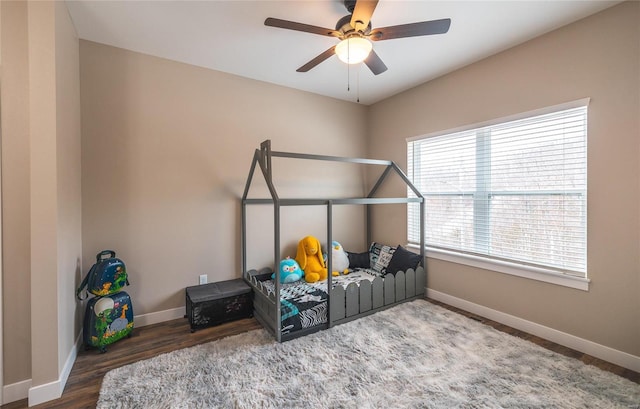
(519, 270)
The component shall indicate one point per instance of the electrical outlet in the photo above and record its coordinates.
(203, 279)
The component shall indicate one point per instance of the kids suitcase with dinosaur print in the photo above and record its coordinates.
(107, 276)
(107, 320)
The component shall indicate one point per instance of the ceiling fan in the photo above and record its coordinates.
(355, 32)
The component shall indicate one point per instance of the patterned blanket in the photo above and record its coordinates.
(304, 305)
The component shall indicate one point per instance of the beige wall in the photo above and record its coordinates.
(15, 193)
(598, 57)
(41, 191)
(166, 149)
(68, 168)
(43, 187)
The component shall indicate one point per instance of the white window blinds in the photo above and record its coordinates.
(513, 191)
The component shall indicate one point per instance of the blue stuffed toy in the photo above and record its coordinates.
(290, 271)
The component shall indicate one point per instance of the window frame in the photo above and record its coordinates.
(511, 267)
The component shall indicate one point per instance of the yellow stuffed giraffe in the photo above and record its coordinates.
(309, 256)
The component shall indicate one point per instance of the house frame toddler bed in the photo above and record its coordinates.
(346, 300)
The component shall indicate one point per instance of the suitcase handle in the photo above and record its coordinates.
(109, 253)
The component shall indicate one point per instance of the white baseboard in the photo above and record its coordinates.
(157, 317)
(53, 390)
(45, 392)
(15, 391)
(71, 359)
(580, 344)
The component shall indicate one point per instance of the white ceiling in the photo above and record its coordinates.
(230, 36)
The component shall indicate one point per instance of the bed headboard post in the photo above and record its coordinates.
(329, 256)
(265, 158)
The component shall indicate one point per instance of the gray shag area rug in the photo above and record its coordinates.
(415, 355)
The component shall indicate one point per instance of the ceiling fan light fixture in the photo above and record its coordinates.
(353, 50)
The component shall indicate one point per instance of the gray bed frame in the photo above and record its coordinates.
(344, 305)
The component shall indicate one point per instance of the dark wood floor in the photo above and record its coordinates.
(83, 385)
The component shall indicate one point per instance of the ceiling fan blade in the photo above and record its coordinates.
(306, 28)
(317, 60)
(375, 64)
(362, 13)
(423, 28)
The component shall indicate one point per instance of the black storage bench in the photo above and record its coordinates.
(214, 303)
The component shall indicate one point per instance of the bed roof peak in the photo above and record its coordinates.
(264, 154)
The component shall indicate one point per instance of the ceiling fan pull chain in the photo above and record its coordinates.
(358, 83)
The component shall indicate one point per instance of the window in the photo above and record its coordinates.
(513, 191)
